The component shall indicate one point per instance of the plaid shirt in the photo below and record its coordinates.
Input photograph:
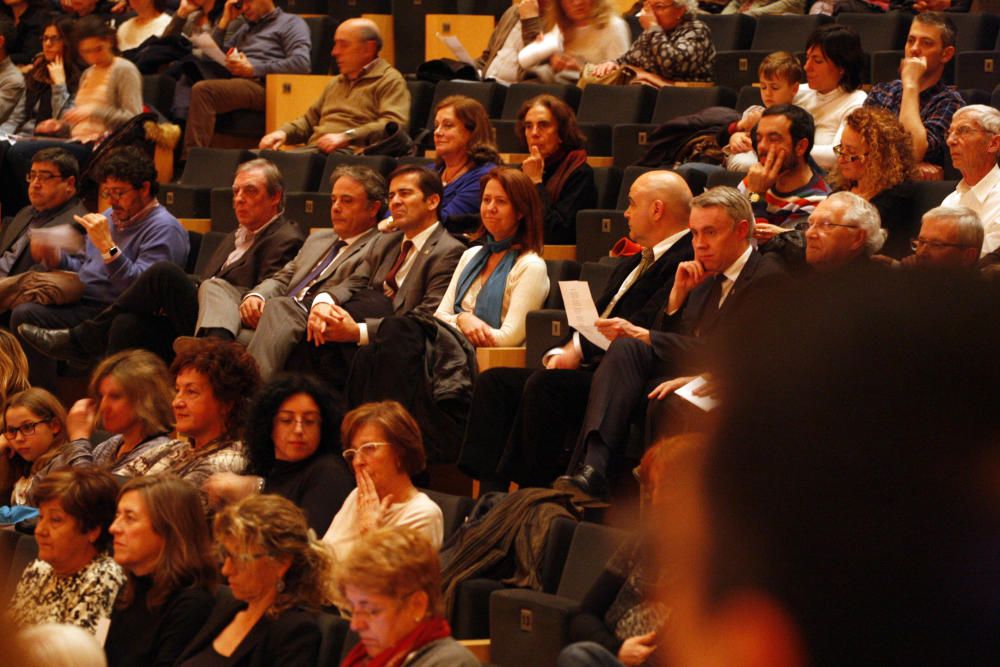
(937, 104)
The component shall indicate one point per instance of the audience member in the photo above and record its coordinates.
(52, 184)
(13, 367)
(277, 309)
(863, 511)
(403, 273)
(951, 237)
(78, 9)
(73, 580)
(29, 20)
(779, 75)
(194, 17)
(974, 144)
(130, 397)
(51, 77)
(125, 240)
(268, 41)
(708, 294)
(782, 187)
(875, 161)
(465, 152)
(673, 46)
(358, 103)
(164, 301)
(920, 97)
(519, 25)
(521, 418)
(279, 575)
(844, 232)
(150, 20)
(757, 8)
(557, 164)
(578, 32)
(162, 543)
(34, 428)
(834, 62)
(11, 81)
(383, 444)
(56, 645)
(397, 570)
(293, 439)
(214, 380)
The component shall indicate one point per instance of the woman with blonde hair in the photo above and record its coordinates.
(130, 396)
(13, 367)
(279, 576)
(465, 151)
(391, 587)
(579, 32)
(875, 161)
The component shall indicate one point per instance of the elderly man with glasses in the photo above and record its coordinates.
(974, 143)
(844, 230)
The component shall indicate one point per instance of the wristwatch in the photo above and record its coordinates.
(754, 197)
(110, 253)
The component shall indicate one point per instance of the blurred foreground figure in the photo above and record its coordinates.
(848, 512)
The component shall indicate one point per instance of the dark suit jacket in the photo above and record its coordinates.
(677, 336)
(61, 215)
(643, 300)
(315, 247)
(426, 282)
(293, 638)
(272, 250)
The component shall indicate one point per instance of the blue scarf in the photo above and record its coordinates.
(490, 300)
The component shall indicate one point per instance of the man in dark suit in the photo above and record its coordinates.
(52, 192)
(276, 311)
(520, 418)
(707, 293)
(404, 272)
(163, 302)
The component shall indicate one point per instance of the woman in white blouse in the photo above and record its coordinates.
(150, 21)
(497, 283)
(578, 32)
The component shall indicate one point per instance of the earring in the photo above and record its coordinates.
(280, 586)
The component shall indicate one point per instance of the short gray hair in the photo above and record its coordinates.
(862, 213)
(273, 180)
(732, 201)
(986, 117)
(369, 179)
(970, 227)
(368, 32)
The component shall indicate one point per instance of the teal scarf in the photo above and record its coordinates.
(490, 300)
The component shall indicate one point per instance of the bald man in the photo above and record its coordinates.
(521, 419)
(358, 103)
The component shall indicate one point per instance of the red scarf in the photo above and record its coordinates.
(429, 630)
(567, 165)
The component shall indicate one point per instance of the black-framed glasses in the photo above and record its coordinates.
(51, 39)
(116, 193)
(917, 243)
(839, 151)
(26, 429)
(42, 176)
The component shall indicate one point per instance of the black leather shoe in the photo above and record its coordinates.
(588, 486)
(56, 343)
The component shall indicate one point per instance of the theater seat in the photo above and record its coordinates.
(206, 168)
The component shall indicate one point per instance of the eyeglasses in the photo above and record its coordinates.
(368, 449)
(51, 39)
(26, 429)
(222, 554)
(963, 131)
(369, 613)
(42, 176)
(826, 225)
(289, 420)
(117, 193)
(839, 151)
(917, 243)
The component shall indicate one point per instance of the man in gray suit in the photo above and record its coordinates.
(272, 316)
(404, 272)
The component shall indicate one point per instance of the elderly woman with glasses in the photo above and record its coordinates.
(279, 576)
(382, 442)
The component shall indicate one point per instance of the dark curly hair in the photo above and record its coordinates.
(265, 408)
(128, 164)
(230, 370)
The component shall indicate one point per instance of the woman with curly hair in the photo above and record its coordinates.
(579, 32)
(295, 451)
(875, 161)
(279, 575)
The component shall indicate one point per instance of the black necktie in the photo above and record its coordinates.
(710, 311)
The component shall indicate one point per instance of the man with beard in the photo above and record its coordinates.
(783, 188)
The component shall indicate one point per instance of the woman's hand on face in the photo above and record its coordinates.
(57, 72)
(478, 332)
(81, 418)
(534, 165)
(371, 510)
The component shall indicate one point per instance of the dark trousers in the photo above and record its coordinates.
(42, 368)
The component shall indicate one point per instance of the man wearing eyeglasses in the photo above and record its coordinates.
(125, 240)
(844, 230)
(974, 143)
(52, 193)
(950, 238)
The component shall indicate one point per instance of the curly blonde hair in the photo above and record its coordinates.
(890, 150)
(276, 526)
(600, 13)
